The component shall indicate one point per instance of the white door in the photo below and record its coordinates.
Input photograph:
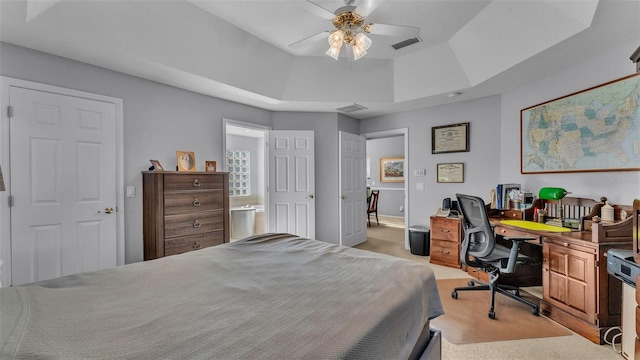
(63, 185)
(353, 192)
(292, 183)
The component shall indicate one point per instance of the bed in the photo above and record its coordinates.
(273, 296)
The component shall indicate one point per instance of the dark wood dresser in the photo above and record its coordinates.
(184, 211)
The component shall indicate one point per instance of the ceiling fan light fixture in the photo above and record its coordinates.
(358, 51)
(334, 51)
(363, 40)
(336, 38)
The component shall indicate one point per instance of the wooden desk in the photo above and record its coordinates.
(577, 290)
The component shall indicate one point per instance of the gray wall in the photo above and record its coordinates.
(158, 120)
(619, 187)
(391, 193)
(481, 162)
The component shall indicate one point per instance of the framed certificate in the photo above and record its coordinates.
(450, 138)
(451, 173)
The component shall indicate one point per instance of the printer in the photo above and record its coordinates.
(620, 264)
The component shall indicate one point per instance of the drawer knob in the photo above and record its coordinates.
(196, 224)
(196, 202)
(196, 246)
(196, 183)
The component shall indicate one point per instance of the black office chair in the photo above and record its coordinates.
(373, 206)
(480, 250)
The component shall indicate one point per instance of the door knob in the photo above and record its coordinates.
(310, 196)
(108, 210)
(344, 197)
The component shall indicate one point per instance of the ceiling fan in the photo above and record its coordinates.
(351, 27)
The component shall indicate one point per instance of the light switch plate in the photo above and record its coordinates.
(131, 191)
(420, 172)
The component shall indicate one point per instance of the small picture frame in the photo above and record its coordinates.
(186, 160)
(451, 173)
(210, 166)
(155, 166)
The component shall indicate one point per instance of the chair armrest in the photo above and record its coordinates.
(513, 254)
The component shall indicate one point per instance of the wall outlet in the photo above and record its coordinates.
(419, 186)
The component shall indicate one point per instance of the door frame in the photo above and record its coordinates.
(405, 133)
(5, 210)
(265, 129)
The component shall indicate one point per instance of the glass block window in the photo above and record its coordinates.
(238, 168)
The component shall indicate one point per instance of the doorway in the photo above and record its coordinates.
(393, 200)
(245, 159)
(66, 194)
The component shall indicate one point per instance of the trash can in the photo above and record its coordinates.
(243, 222)
(419, 240)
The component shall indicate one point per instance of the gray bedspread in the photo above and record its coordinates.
(274, 296)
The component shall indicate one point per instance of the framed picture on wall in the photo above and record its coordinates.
(451, 173)
(450, 138)
(186, 160)
(392, 169)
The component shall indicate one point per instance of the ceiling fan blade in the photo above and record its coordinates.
(366, 7)
(314, 8)
(309, 40)
(394, 30)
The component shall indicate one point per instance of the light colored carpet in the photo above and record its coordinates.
(559, 347)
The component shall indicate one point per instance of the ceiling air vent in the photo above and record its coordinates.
(351, 108)
(406, 43)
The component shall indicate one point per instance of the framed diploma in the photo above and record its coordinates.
(451, 173)
(450, 138)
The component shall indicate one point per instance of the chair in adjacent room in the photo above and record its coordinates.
(373, 206)
(480, 250)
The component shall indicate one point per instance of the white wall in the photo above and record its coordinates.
(620, 187)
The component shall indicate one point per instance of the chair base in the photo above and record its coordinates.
(512, 292)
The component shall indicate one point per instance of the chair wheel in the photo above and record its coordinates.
(492, 314)
(471, 283)
(535, 311)
(454, 294)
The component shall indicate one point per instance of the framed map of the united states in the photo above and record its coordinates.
(597, 129)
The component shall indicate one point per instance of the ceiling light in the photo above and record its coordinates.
(350, 32)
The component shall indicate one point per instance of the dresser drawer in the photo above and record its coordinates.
(176, 182)
(193, 223)
(182, 203)
(194, 242)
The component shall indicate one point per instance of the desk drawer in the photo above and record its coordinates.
(512, 214)
(445, 253)
(506, 232)
(445, 229)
